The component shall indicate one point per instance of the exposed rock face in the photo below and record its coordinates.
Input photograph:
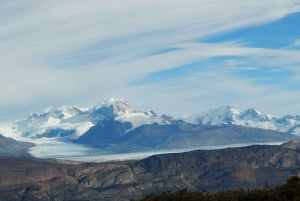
(233, 167)
(293, 144)
(36, 179)
(13, 148)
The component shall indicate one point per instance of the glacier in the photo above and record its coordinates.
(55, 129)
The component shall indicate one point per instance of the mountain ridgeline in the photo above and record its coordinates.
(110, 135)
(115, 125)
(12, 148)
(285, 192)
(211, 170)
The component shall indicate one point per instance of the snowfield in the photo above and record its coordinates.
(53, 129)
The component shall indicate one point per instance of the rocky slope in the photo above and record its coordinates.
(12, 148)
(248, 167)
(110, 135)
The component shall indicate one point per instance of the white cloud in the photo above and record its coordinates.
(296, 43)
(75, 51)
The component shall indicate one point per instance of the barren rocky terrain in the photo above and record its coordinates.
(12, 148)
(36, 179)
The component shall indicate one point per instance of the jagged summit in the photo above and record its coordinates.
(152, 113)
(114, 106)
(248, 117)
(115, 125)
(221, 115)
(70, 121)
(111, 108)
(63, 112)
(230, 115)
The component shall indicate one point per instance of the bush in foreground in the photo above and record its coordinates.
(290, 191)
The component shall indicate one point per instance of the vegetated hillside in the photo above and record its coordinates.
(286, 192)
(12, 148)
(232, 168)
(112, 135)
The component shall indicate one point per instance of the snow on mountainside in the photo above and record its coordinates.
(62, 122)
(114, 126)
(122, 111)
(70, 122)
(249, 118)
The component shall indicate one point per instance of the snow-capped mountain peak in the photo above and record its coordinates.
(230, 115)
(69, 111)
(63, 112)
(111, 108)
(122, 107)
(71, 122)
(254, 115)
(248, 117)
(118, 105)
(221, 115)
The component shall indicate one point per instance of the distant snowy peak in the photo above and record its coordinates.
(70, 122)
(248, 117)
(117, 105)
(228, 115)
(111, 108)
(120, 110)
(221, 115)
(63, 112)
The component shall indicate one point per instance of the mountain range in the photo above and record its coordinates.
(249, 117)
(114, 125)
(71, 122)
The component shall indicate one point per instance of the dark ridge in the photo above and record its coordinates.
(12, 148)
(228, 169)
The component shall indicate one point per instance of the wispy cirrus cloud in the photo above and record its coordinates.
(61, 52)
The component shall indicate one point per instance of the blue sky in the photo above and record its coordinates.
(275, 34)
(177, 57)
